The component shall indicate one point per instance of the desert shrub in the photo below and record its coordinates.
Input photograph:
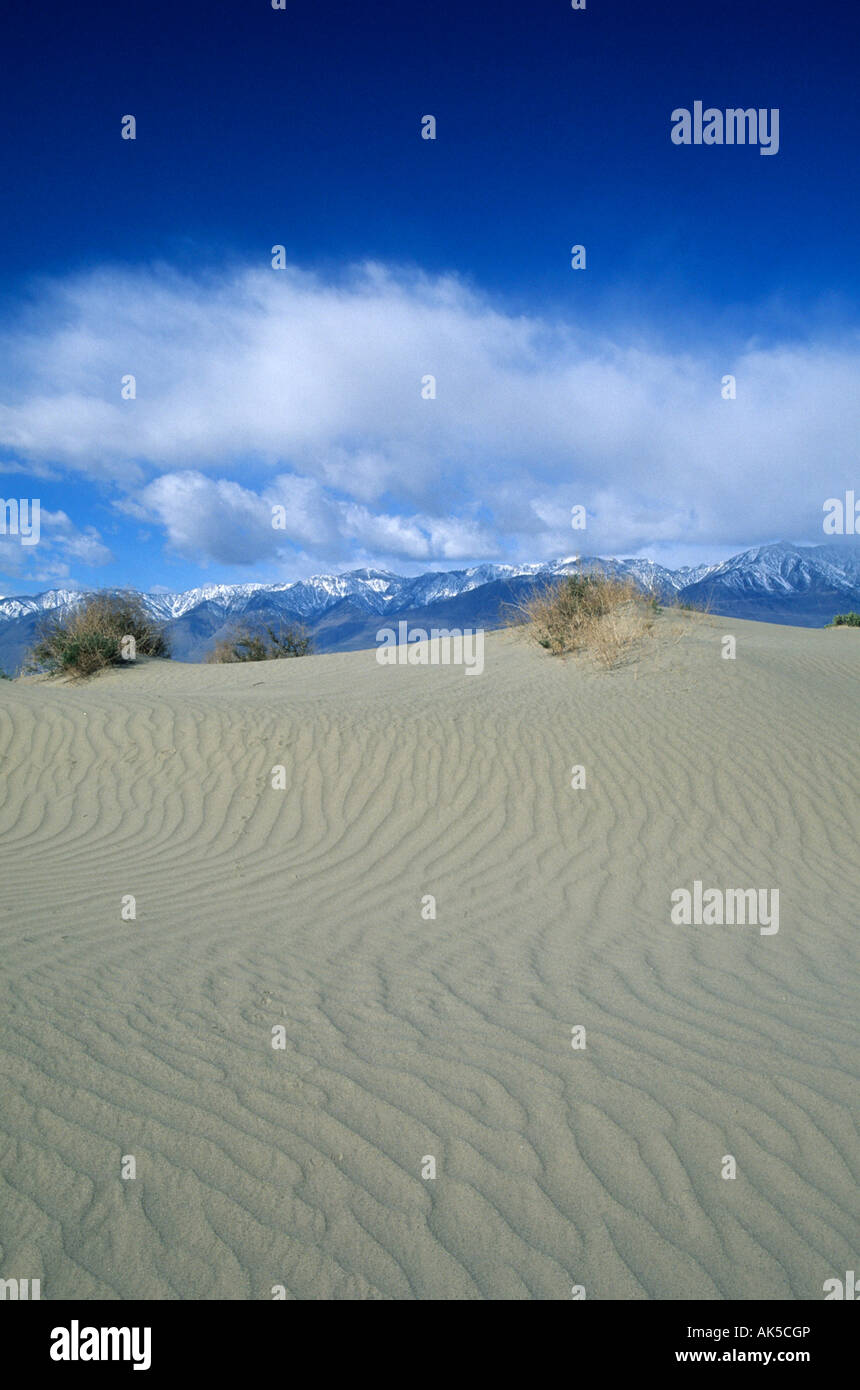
(594, 613)
(239, 646)
(845, 620)
(249, 644)
(89, 638)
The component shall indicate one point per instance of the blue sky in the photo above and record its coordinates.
(408, 257)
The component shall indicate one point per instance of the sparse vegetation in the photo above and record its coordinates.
(90, 638)
(701, 606)
(845, 620)
(248, 644)
(594, 613)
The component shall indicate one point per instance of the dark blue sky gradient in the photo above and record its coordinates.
(299, 126)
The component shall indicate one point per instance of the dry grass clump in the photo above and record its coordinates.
(248, 644)
(95, 635)
(597, 614)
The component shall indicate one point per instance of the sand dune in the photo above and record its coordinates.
(450, 1037)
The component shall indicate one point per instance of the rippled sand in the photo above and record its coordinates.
(449, 1037)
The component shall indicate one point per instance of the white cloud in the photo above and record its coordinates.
(58, 546)
(214, 519)
(266, 386)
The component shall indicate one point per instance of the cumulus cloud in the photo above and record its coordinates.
(215, 519)
(263, 387)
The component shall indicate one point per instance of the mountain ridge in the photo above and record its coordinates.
(782, 582)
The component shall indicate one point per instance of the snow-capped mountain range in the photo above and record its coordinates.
(803, 585)
(377, 591)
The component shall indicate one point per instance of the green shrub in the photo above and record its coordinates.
(90, 637)
(89, 652)
(846, 620)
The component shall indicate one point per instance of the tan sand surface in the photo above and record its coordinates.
(450, 1037)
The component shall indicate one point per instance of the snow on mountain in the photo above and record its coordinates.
(790, 569)
(26, 605)
(783, 582)
(653, 576)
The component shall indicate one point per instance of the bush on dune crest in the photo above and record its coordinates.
(845, 620)
(246, 644)
(90, 638)
(593, 613)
